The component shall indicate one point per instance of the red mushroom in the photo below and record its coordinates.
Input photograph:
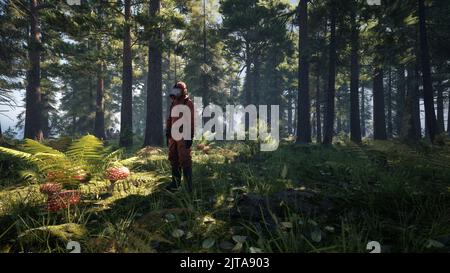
(63, 200)
(116, 173)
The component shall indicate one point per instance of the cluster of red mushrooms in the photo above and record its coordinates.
(58, 199)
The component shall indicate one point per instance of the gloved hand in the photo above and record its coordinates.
(188, 144)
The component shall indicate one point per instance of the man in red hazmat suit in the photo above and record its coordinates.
(180, 150)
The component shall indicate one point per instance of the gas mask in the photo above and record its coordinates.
(175, 93)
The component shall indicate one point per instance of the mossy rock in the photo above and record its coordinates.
(53, 234)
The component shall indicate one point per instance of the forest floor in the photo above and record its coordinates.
(296, 199)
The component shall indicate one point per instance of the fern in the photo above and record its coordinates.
(88, 151)
(18, 154)
(33, 147)
(30, 176)
(85, 155)
(113, 156)
(52, 162)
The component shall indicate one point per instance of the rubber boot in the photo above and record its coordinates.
(176, 179)
(187, 172)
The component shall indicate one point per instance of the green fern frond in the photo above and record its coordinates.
(114, 156)
(87, 152)
(87, 148)
(34, 147)
(29, 176)
(50, 162)
(17, 154)
(131, 162)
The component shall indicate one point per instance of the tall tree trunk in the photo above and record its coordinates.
(166, 100)
(390, 130)
(318, 109)
(330, 104)
(154, 124)
(379, 120)
(92, 104)
(355, 122)
(256, 78)
(126, 113)
(99, 126)
(400, 98)
(363, 110)
(411, 120)
(416, 105)
(248, 75)
(289, 114)
(99, 123)
(1, 133)
(338, 111)
(440, 107)
(428, 97)
(304, 116)
(33, 112)
(294, 124)
(205, 93)
(448, 114)
(45, 122)
(74, 125)
(277, 90)
(73, 111)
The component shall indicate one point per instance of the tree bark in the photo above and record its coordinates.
(379, 120)
(289, 114)
(390, 130)
(430, 115)
(448, 114)
(304, 115)
(440, 107)
(363, 110)
(248, 75)
(33, 111)
(45, 121)
(256, 78)
(318, 109)
(126, 113)
(99, 126)
(411, 120)
(400, 98)
(355, 122)
(154, 124)
(205, 93)
(92, 104)
(417, 119)
(330, 104)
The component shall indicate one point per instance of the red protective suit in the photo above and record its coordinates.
(179, 154)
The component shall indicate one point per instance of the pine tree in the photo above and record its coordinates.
(430, 115)
(331, 92)
(355, 126)
(154, 124)
(126, 112)
(304, 122)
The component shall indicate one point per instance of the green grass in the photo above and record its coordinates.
(379, 191)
